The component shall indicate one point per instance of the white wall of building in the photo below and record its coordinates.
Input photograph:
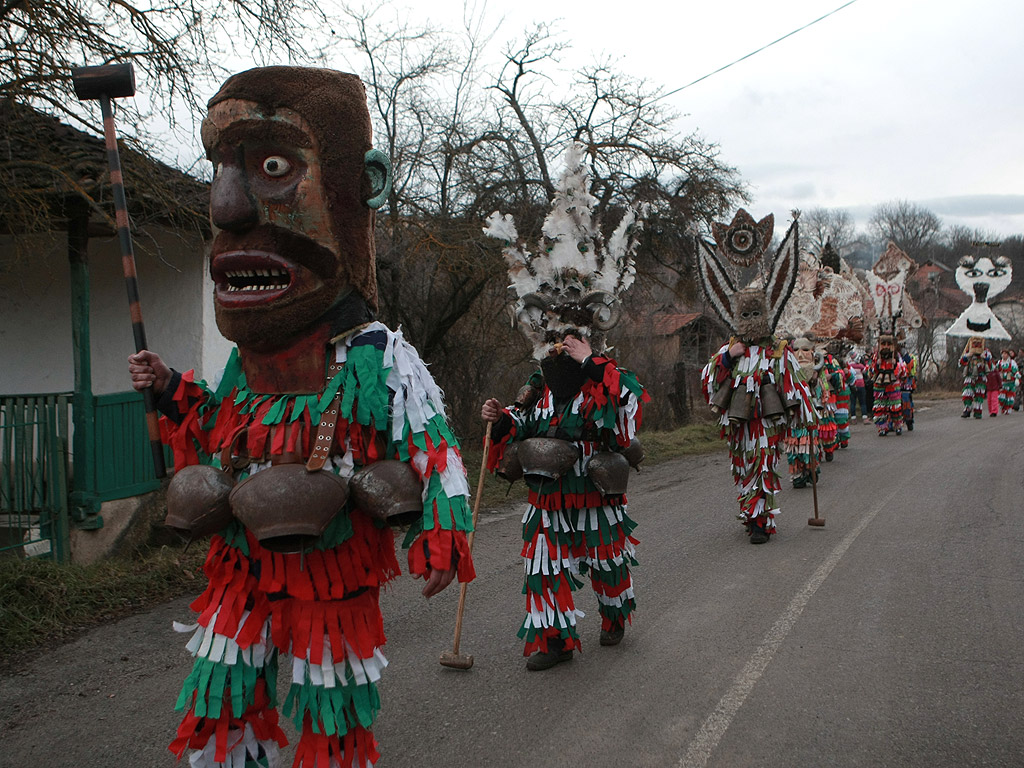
(35, 311)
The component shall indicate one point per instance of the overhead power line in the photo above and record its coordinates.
(754, 53)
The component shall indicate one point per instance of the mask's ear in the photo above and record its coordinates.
(715, 280)
(783, 276)
(378, 170)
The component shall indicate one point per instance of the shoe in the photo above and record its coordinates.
(613, 636)
(910, 426)
(830, 456)
(800, 482)
(977, 415)
(966, 414)
(758, 535)
(883, 432)
(899, 431)
(554, 655)
(993, 415)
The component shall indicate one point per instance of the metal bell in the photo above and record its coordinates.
(510, 468)
(197, 500)
(546, 458)
(741, 406)
(609, 472)
(634, 453)
(288, 507)
(390, 491)
(720, 400)
(771, 403)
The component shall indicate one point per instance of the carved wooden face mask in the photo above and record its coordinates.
(292, 200)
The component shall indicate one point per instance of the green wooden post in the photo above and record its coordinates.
(84, 501)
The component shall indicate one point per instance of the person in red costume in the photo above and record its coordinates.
(324, 427)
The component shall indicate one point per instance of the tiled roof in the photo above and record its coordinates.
(667, 324)
(46, 162)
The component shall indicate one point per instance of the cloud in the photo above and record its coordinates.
(976, 205)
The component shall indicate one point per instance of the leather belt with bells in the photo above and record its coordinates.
(328, 423)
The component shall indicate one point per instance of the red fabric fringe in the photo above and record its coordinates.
(438, 549)
(196, 732)
(316, 750)
(299, 626)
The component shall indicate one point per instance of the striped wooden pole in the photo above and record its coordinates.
(101, 83)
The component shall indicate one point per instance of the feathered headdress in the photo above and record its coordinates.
(738, 258)
(574, 280)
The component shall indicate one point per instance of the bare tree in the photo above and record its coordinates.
(914, 229)
(177, 48)
(822, 225)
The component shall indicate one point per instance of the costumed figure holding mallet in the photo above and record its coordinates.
(325, 428)
(753, 382)
(571, 431)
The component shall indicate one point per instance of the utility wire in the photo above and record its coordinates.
(753, 53)
(565, 133)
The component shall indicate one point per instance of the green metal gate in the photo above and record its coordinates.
(34, 475)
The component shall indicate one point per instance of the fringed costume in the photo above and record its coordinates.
(887, 372)
(755, 443)
(839, 383)
(1010, 376)
(754, 382)
(572, 431)
(570, 528)
(976, 367)
(324, 427)
(319, 606)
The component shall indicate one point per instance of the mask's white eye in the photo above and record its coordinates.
(973, 272)
(996, 272)
(276, 166)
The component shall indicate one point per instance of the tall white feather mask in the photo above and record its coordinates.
(573, 279)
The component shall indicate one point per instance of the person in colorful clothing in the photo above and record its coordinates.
(886, 373)
(570, 431)
(325, 423)
(976, 361)
(908, 388)
(805, 443)
(753, 382)
(1009, 375)
(838, 381)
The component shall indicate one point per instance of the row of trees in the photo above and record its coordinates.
(916, 230)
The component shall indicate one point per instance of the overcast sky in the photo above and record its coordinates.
(883, 100)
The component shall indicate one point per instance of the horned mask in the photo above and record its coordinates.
(573, 281)
(739, 258)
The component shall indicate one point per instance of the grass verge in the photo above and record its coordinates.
(42, 603)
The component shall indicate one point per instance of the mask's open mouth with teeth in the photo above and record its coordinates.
(245, 278)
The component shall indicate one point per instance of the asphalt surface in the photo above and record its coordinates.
(889, 637)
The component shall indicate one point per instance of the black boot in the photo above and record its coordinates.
(758, 535)
(555, 654)
(614, 635)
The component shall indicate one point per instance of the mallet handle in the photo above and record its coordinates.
(124, 235)
(476, 512)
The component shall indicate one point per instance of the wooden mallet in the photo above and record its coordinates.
(103, 83)
(453, 658)
(817, 522)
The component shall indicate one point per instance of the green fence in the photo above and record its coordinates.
(34, 475)
(122, 457)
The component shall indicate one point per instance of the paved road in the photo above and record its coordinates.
(890, 637)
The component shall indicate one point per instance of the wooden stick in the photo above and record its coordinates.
(454, 659)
